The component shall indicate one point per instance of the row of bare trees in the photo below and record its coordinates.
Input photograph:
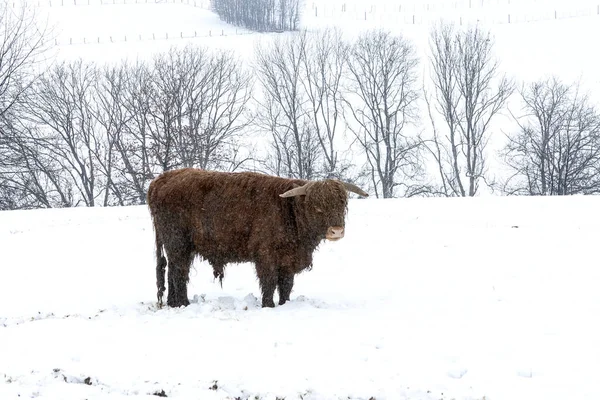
(309, 105)
(260, 15)
(554, 149)
(97, 135)
(321, 92)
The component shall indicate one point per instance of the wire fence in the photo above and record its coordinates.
(205, 4)
(488, 11)
(321, 13)
(146, 37)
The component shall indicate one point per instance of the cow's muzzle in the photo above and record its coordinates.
(334, 233)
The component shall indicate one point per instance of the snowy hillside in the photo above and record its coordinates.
(542, 38)
(423, 299)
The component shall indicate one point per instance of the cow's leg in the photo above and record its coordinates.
(267, 279)
(285, 282)
(179, 252)
(178, 278)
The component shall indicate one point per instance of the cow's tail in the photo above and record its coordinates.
(161, 265)
(219, 272)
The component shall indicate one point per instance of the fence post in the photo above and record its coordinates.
(365, 15)
(509, 18)
(209, 33)
(222, 32)
(413, 19)
(555, 14)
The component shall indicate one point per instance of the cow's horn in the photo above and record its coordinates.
(355, 189)
(297, 191)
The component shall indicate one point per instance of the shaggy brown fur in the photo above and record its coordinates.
(239, 217)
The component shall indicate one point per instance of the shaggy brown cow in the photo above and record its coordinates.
(274, 222)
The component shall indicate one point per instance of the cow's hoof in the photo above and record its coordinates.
(268, 303)
(177, 304)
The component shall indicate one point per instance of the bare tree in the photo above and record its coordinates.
(218, 107)
(134, 145)
(22, 47)
(295, 146)
(198, 108)
(468, 93)
(324, 66)
(557, 148)
(30, 179)
(170, 77)
(113, 117)
(381, 100)
(61, 110)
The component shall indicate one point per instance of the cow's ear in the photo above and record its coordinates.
(297, 191)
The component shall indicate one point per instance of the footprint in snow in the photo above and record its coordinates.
(457, 372)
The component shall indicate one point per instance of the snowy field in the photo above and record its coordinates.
(424, 299)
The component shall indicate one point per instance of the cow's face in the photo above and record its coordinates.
(325, 204)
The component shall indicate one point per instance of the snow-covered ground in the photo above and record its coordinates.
(424, 299)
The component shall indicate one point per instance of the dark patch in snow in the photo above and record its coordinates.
(160, 393)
